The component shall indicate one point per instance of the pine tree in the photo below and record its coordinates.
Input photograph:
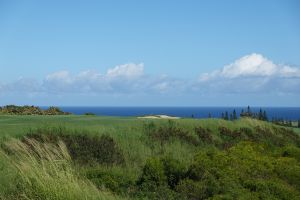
(264, 116)
(231, 117)
(234, 115)
(242, 114)
(298, 123)
(226, 116)
(223, 116)
(260, 115)
(249, 111)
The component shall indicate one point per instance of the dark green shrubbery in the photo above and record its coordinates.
(291, 151)
(90, 114)
(166, 133)
(159, 178)
(83, 148)
(115, 179)
(204, 134)
(101, 149)
(244, 171)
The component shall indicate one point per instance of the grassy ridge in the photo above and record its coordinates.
(165, 159)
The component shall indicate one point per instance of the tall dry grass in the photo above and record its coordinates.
(33, 170)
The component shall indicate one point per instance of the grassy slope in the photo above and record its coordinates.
(129, 133)
(15, 125)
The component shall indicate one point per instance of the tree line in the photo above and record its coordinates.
(261, 115)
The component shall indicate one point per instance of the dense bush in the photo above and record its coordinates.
(86, 149)
(115, 179)
(244, 171)
(164, 134)
(205, 135)
(159, 178)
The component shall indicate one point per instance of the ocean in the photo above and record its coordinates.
(287, 113)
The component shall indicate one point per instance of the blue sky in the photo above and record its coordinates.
(188, 53)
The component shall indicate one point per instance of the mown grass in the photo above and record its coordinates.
(120, 157)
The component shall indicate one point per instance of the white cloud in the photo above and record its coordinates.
(122, 78)
(252, 74)
(253, 65)
(129, 71)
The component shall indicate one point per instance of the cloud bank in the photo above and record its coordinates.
(251, 74)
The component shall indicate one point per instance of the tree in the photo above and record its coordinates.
(226, 116)
(223, 116)
(260, 115)
(242, 114)
(231, 117)
(234, 115)
(249, 111)
(209, 115)
(298, 123)
(264, 116)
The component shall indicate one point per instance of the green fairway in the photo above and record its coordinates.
(19, 124)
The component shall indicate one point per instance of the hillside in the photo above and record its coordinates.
(92, 157)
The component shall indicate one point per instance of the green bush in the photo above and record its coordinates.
(153, 173)
(204, 135)
(169, 132)
(291, 151)
(115, 179)
(288, 169)
(83, 148)
(173, 170)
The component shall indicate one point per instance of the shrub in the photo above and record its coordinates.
(291, 151)
(115, 179)
(204, 134)
(153, 174)
(86, 149)
(190, 189)
(101, 149)
(159, 177)
(89, 113)
(173, 170)
(166, 133)
(225, 133)
(288, 169)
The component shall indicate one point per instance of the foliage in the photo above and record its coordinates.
(171, 131)
(85, 149)
(261, 115)
(30, 110)
(157, 159)
(42, 171)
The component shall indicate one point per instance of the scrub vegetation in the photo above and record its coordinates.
(92, 157)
